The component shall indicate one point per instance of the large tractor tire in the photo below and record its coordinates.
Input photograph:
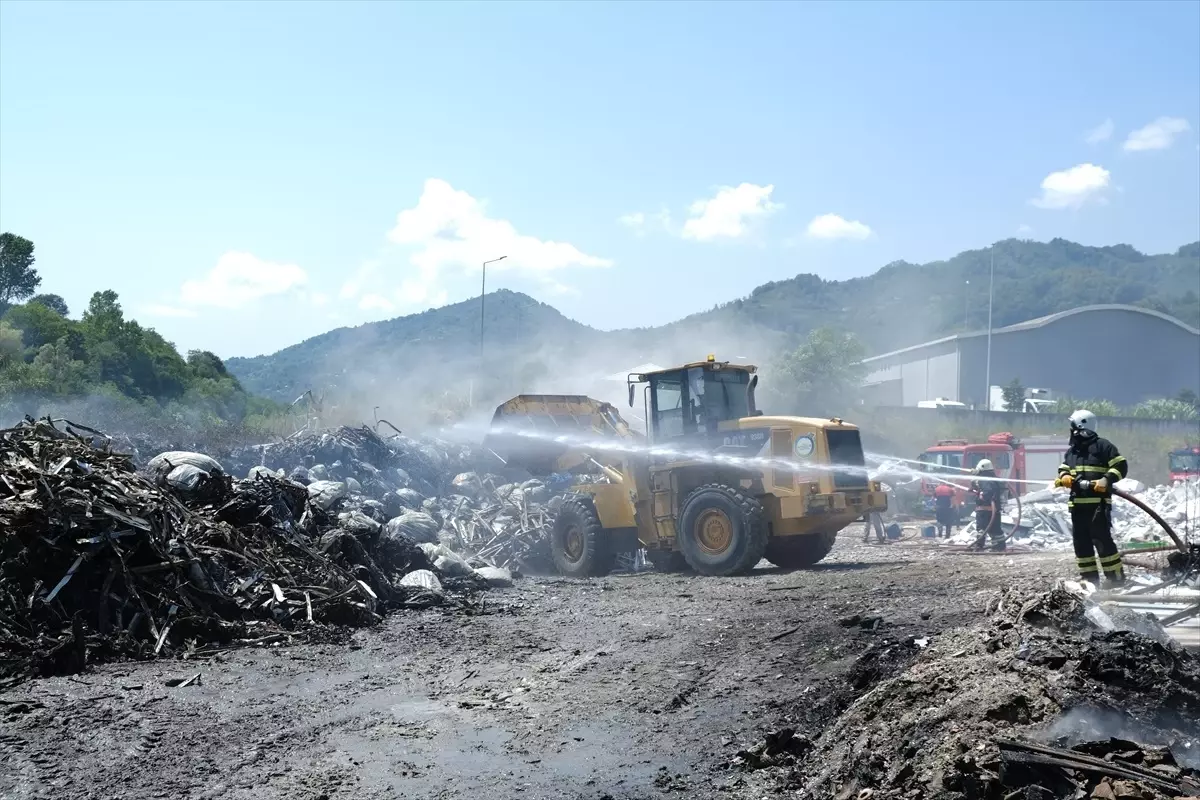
(721, 530)
(667, 561)
(578, 544)
(800, 552)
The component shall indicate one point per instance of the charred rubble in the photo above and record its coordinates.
(1035, 702)
(103, 560)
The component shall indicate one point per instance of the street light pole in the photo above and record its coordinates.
(991, 283)
(482, 295)
(967, 307)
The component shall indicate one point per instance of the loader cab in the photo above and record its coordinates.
(689, 403)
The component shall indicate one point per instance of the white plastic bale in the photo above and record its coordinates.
(163, 463)
(186, 478)
(323, 494)
(422, 579)
(416, 525)
(496, 577)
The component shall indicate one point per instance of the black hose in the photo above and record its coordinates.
(1153, 515)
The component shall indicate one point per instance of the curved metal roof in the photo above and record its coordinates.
(1040, 322)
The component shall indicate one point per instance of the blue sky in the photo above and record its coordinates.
(248, 175)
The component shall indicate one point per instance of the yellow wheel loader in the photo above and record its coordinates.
(714, 485)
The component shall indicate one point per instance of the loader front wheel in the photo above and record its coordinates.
(800, 552)
(722, 531)
(577, 541)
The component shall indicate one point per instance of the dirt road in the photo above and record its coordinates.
(626, 687)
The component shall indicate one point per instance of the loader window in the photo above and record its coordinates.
(668, 406)
(725, 395)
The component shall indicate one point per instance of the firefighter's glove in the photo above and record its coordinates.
(1100, 486)
(1065, 481)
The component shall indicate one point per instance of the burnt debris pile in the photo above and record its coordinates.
(101, 560)
(1036, 702)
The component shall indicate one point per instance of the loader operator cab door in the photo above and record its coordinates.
(688, 405)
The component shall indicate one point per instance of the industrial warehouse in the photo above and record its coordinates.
(1151, 355)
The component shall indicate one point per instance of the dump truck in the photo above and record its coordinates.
(713, 485)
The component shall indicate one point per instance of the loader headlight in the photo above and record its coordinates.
(804, 446)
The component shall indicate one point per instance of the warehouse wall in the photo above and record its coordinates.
(924, 374)
(1118, 355)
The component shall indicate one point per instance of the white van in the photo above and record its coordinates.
(940, 402)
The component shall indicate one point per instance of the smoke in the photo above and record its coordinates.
(1088, 723)
(425, 371)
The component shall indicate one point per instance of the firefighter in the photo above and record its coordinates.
(943, 505)
(989, 494)
(1090, 467)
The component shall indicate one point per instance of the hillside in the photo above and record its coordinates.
(900, 305)
(416, 352)
(904, 304)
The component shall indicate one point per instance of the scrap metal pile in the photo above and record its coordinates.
(99, 560)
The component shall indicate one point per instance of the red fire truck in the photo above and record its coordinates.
(952, 460)
(1184, 463)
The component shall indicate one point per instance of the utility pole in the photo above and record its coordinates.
(991, 284)
(967, 307)
(482, 295)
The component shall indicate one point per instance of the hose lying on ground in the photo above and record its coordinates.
(1153, 515)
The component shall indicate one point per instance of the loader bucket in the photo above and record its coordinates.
(546, 433)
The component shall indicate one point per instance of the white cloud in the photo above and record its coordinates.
(156, 310)
(451, 230)
(831, 226)
(241, 278)
(1024, 230)
(375, 302)
(1073, 187)
(636, 221)
(725, 215)
(1158, 135)
(353, 287)
(1101, 133)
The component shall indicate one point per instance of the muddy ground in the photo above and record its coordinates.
(632, 686)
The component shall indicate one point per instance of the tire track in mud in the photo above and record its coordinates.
(23, 775)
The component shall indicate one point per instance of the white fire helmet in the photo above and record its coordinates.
(984, 465)
(1083, 420)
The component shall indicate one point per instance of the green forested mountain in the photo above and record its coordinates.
(904, 304)
(900, 305)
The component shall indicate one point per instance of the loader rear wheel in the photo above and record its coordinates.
(577, 541)
(667, 560)
(800, 552)
(722, 531)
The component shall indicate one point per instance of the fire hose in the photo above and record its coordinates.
(1086, 485)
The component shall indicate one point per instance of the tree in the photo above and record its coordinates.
(18, 278)
(38, 323)
(1189, 397)
(1014, 395)
(821, 377)
(53, 302)
(11, 345)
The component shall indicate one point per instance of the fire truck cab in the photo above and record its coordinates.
(1184, 463)
(952, 460)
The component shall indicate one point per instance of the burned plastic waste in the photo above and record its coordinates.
(101, 561)
(1025, 704)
